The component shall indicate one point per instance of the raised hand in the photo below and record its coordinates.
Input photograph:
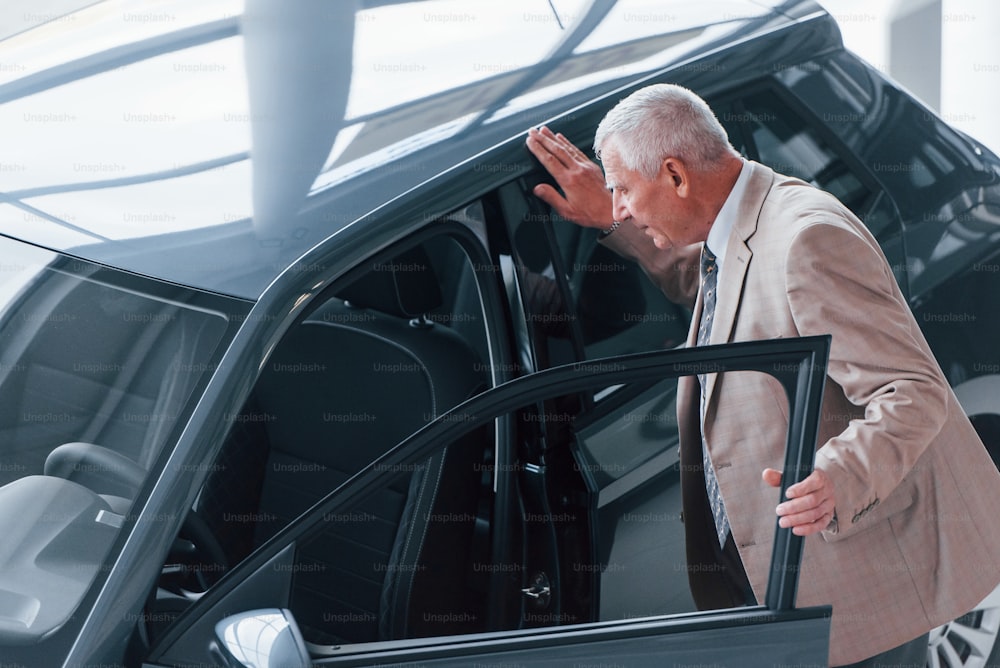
(585, 199)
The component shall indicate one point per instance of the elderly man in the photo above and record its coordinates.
(901, 509)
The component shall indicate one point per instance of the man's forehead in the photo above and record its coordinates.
(611, 160)
(615, 171)
(609, 151)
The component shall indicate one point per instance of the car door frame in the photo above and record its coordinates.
(799, 364)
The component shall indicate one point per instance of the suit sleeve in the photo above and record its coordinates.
(838, 282)
(674, 270)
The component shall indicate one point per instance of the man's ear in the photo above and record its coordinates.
(675, 174)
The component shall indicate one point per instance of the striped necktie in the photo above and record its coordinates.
(709, 272)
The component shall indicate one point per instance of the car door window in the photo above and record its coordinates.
(629, 457)
(439, 580)
(627, 446)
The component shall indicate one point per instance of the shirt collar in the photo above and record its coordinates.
(718, 234)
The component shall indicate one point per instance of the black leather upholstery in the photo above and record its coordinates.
(405, 287)
(340, 390)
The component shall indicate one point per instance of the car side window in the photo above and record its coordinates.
(783, 140)
(765, 127)
(629, 459)
(414, 558)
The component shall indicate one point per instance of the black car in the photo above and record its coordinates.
(291, 357)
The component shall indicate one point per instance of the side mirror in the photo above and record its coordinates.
(267, 638)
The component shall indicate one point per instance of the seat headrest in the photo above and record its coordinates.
(405, 286)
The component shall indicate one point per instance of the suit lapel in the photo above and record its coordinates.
(729, 295)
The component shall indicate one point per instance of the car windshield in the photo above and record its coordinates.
(97, 369)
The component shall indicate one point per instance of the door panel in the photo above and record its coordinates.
(740, 640)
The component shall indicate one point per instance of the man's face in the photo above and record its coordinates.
(660, 206)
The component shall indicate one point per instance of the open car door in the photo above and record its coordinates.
(253, 616)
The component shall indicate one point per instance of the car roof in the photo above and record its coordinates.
(211, 145)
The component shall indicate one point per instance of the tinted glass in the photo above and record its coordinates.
(765, 128)
(410, 561)
(786, 143)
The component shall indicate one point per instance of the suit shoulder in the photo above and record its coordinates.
(797, 205)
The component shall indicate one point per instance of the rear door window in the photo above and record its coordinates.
(768, 128)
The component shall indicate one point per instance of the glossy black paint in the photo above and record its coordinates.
(946, 250)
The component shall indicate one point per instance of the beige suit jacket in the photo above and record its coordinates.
(917, 537)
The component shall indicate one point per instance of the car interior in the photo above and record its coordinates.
(363, 370)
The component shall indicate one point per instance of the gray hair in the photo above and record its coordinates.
(661, 121)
